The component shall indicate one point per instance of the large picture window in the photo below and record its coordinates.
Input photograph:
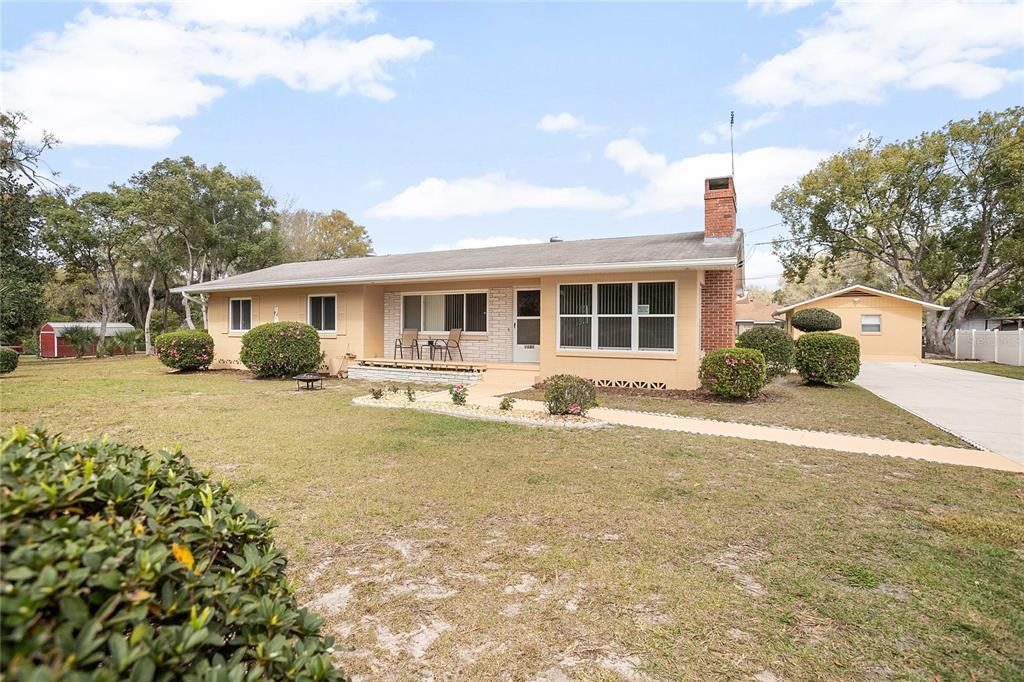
(440, 313)
(322, 313)
(240, 313)
(623, 316)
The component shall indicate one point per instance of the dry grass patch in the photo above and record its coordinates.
(455, 549)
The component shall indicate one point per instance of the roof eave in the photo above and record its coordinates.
(923, 304)
(485, 273)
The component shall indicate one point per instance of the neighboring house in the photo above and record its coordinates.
(888, 326)
(637, 310)
(979, 319)
(750, 314)
(51, 343)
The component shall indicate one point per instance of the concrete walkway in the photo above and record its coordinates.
(984, 410)
(488, 390)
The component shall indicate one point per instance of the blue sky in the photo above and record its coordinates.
(439, 124)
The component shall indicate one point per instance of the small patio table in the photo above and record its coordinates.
(311, 381)
(430, 343)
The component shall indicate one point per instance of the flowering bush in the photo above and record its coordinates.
(507, 403)
(185, 350)
(458, 392)
(121, 563)
(281, 349)
(774, 344)
(733, 372)
(569, 394)
(827, 358)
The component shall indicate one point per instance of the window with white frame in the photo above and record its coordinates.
(440, 313)
(323, 313)
(870, 324)
(240, 314)
(625, 316)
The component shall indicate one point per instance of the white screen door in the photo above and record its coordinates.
(527, 326)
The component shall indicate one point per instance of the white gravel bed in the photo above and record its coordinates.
(398, 401)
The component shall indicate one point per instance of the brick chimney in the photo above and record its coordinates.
(718, 290)
(719, 208)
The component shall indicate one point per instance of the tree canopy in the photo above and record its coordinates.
(312, 235)
(942, 214)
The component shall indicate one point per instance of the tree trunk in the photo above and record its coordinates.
(188, 311)
(934, 336)
(149, 315)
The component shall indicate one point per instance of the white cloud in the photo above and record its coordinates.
(863, 50)
(126, 77)
(720, 131)
(678, 185)
(487, 194)
(269, 14)
(779, 6)
(484, 242)
(566, 123)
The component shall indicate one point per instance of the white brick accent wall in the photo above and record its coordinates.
(497, 347)
(411, 376)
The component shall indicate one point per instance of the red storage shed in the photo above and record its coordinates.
(51, 345)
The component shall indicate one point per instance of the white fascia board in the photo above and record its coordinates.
(488, 273)
(879, 292)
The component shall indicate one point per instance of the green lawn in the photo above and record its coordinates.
(460, 549)
(1008, 371)
(791, 403)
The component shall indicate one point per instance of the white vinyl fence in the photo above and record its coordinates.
(995, 346)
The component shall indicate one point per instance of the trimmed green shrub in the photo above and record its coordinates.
(569, 394)
(458, 393)
(185, 349)
(733, 372)
(281, 349)
(826, 358)
(774, 344)
(816, 320)
(507, 403)
(127, 340)
(122, 563)
(80, 338)
(8, 360)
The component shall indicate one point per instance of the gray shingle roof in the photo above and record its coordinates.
(680, 250)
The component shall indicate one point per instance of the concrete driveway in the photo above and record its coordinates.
(985, 410)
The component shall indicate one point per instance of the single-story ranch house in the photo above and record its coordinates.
(888, 326)
(636, 310)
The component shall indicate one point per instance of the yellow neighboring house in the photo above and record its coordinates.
(888, 326)
(636, 310)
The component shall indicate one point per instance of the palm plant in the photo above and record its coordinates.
(127, 340)
(80, 338)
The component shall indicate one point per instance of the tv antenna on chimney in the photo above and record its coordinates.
(732, 150)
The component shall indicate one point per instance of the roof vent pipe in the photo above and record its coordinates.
(554, 240)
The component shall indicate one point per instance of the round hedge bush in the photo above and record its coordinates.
(281, 349)
(186, 349)
(774, 344)
(120, 563)
(569, 394)
(816, 320)
(826, 358)
(8, 360)
(733, 372)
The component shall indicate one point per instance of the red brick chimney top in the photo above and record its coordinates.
(719, 208)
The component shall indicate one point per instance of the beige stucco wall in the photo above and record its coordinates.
(677, 370)
(900, 338)
(369, 321)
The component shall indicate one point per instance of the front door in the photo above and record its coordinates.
(526, 328)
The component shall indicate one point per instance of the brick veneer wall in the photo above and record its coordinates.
(414, 376)
(497, 347)
(719, 210)
(718, 310)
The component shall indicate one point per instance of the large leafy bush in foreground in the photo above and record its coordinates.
(122, 563)
(826, 358)
(733, 372)
(569, 394)
(774, 344)
(816, 320)
(281, 349)
(8, 360)
(186, 349)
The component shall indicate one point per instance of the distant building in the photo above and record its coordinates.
(750, 314)
(51, 342)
